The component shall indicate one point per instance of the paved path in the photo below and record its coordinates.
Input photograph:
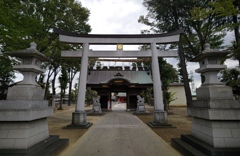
(119, 133)
(118, 106)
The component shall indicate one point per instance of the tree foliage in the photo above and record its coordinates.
(22, 22)
(168, 75)
(231, 78)
(230, 11)
(6, 75)
(165, 16)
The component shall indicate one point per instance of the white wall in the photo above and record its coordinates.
(178, 89)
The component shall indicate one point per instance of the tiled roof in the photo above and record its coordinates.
(140, 77)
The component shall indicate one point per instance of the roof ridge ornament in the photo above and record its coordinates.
(118, 75)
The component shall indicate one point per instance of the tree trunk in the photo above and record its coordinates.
(236, 30)
(70, 93)
(46, 87)
(185, 75)
(165, 100)
(182, 61)
(60, 102)
(53, 82)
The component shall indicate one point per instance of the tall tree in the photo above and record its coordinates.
(230, 11)
(166, 16)
(22, 22)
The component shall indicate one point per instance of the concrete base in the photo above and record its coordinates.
(214, 92)
(50, 146)
(157, 125)
(82, 126)
(160, 117)
(160, 120)
(140, 108)
(215, 114)
(79, 118)
(22, 135)
(188, 145)
(24, 110)
(79, 121)
(25, 92)
(218, 134)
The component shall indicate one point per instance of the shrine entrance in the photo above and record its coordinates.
(115, 85)
(121, 102)
(152, 40)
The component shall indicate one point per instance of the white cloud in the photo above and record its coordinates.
(115, 17)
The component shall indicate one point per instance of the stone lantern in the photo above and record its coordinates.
(216, 115)
(30, 66)
(212, 88)
(23, 116)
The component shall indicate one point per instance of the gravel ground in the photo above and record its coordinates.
(177, 117)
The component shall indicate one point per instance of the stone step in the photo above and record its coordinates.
(55, 148)
(47, 147)
(184, 148)
(189, 140)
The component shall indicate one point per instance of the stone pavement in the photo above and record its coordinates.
(120, 133)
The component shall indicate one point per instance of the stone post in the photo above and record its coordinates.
(23, 116)
(79, 116)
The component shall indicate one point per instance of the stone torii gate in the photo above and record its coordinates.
(79, 116)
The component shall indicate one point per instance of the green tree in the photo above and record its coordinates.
(22, 22)
(231, 77)
(166, 16)
(6, 75)
(230, 11)
(63, 80)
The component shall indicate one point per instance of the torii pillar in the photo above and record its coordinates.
(79, 116)
(160, 116)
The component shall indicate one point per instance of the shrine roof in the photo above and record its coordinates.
(100, 77)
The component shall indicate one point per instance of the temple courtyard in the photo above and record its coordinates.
(122, 128)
